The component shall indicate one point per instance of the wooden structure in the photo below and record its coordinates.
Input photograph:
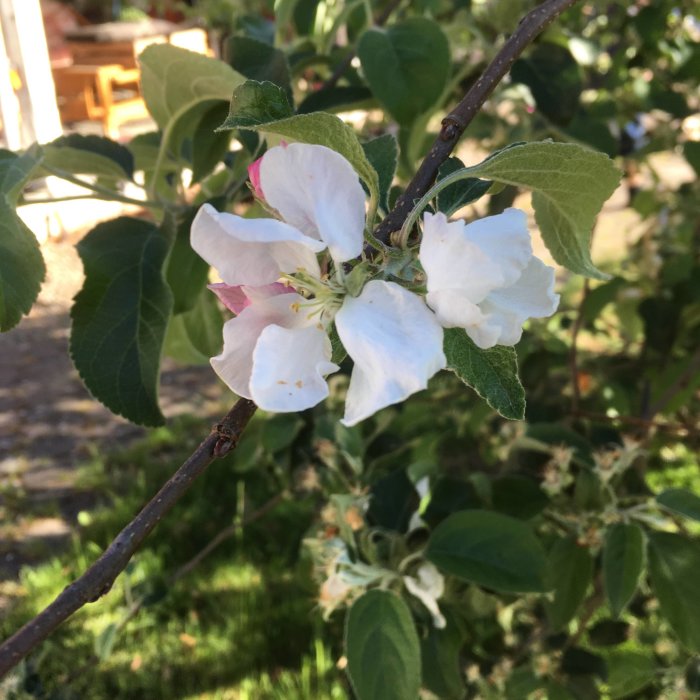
(105, 93)
(102, 83)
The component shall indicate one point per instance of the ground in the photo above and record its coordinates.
(49, 424)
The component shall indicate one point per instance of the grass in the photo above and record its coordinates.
(241, 625)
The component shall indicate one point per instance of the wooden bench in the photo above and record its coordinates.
(105, 93)
(102, 84)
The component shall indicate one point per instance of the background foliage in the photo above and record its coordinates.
(568, 542)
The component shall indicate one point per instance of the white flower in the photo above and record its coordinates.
(428, 587)
(276, 350)
(484, 278)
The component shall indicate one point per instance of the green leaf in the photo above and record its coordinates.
(521, 683)
(255, 103)
(195, 336)
(554, 78)
(569, 185)
(406, 65)
(680, 501)
(440, 656)
(393, 500)
(691, 151)
(383, 155)
(325, 130)
(186, 272)
(570, 573)
(120, 316)
(461, 193)
(608, 633)
(279, 431)
(382, 648)
(209, 146)
(557, 434)
(179, 87)
(623, 561)
(674, 567)
(692, 675)
(489, 549)
(257, 60)
(173, 80)
(90, 155)
(518, 496)
(105, 640)
(629, 672)
(21, 263)
(492, 373)
(448, 495)
(334, 99)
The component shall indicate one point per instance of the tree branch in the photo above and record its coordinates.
(454, 124)
(98, 579)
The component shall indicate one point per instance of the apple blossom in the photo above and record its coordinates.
(276, 350)
(483, 276)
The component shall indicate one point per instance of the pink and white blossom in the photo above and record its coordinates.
(276, 350)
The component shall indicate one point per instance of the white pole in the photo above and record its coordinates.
(37, 70)
(9, 104)
(26, 42)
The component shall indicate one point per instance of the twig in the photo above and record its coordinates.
(100, 192)
(679, 428)
(573, 352)
(224, 534)
(676, 387)
(454, 124)
(197, 559)
(99, 578)
(589, 608)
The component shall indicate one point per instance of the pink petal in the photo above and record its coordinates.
(254, 175)
(236, 298)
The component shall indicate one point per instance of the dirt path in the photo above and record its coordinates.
(49, 424)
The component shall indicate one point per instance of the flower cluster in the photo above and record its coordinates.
(286, 281)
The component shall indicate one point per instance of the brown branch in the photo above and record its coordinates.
(681, 382)
(197, 559)
(454, 124)
(98, 579)
(224, 534)
(573, 352)
(647, 423)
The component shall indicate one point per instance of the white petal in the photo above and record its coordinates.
(317, 191)
(235, 364)
(476, 258)
(452, 261)
(428, 587)
(505, 238)
(532, 296)
(251, 251)
(395, 342)
(289, 368)
(453, 309)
